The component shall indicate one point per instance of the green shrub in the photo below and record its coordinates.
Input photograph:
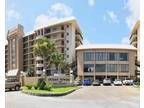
(29, 87)
(43, 85)
(36, 87)
(48, 86)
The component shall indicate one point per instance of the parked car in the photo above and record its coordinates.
(12, 83)
(117, 82)
(78, 83)
(96, 83)
(107, 81)
(128, 82)
(87, 82)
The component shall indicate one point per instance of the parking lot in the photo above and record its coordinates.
(86, 97)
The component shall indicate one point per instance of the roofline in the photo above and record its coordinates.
(106, 49)
(70, 20)
(65, 20)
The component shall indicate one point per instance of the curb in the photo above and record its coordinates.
(51, 94)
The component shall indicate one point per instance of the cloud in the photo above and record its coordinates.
(57, 11)
(111, 17)
(12, 14)
(133, 6)
(91, 2)
(125, 40)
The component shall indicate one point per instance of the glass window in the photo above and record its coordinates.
(100, 56)
(112, 68)
(113, 56)
(89, 56)
(100, 67)
(124, 68)
(123, 56)
(88, 67)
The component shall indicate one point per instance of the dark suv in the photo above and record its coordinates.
(12, 83)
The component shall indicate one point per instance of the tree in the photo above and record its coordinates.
(45, 49)
(30, 72)
(57, 60)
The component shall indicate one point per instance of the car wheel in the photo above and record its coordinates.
(17, 88)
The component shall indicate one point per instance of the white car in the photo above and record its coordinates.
(117, 82)
(128, 82)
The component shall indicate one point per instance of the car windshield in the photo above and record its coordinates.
(117, 80)
(11, 80)
(96, 80)
(106, 79)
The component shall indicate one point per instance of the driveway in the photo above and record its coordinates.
(86, 97)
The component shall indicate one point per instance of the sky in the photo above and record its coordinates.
(101, 21)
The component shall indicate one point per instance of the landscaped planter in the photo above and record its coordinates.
(50, 93)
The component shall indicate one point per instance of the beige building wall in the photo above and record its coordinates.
(62, 33)
(135, 41)
(130, 62)
(15, 43)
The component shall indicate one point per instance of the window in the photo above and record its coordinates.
(62, 35)
(62, 27)
(100, 56)
(100, 67)
(67, 48)
(112, 68)
(62, 50)
(88, 67)
(67, 26)
(111, 56)
(67, 34)
(67, 56)
(47, 30)
(67, 41)
(123, 57)
(62, 42)
(89, 56)
(124, 68)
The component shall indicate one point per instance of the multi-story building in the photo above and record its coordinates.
(135, 41)
(100, 61)
(65, 33)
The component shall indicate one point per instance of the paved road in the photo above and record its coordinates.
(87, 97)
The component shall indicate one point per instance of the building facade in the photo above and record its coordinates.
(135, 41)
(105, 61)
(65, 33)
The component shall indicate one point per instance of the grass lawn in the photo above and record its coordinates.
(54, 90)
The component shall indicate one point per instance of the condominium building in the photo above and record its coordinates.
(65, 33)
(105, 61)
(135, 41)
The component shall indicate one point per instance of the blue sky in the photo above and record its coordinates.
(101, 21)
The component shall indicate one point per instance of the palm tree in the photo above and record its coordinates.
(57, 60)
(45, 49)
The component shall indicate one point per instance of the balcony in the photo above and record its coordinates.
(39, 65)
(133, 37)
(78, 43)
(39, 72)
(54, 32)
(39, 58)
(134, 44)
